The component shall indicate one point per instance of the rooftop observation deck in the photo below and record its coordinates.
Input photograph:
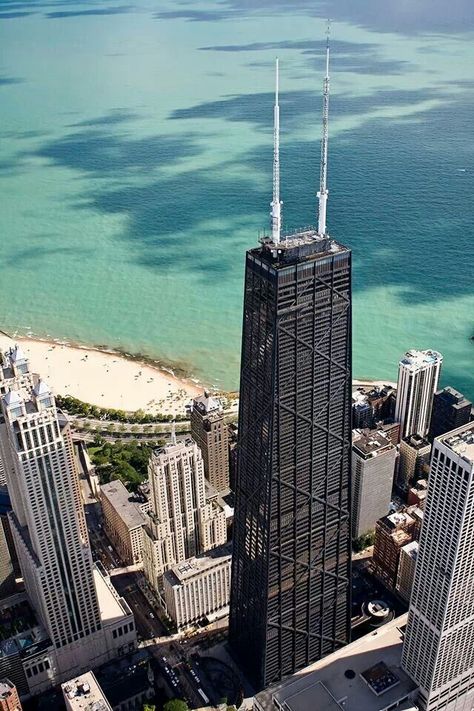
(297, 246)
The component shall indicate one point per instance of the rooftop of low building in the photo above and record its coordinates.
(112, 607)
(84, 693)
(365, 674)
(126, 677)
(123, 502)
(182, 572)
(453, 397)
(364, 395)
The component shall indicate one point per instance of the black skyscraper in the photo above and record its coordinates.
(450, 411)
(290, 600)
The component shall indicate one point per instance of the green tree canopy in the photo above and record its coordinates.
(176, 705)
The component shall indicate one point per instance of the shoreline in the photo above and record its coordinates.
(175, 369)
(113, 378)
(107, 377)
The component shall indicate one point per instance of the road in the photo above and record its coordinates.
(176, 669)
(100, 544)
(146, 616)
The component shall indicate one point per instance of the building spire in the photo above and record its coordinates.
(323, 191)
(276, 202)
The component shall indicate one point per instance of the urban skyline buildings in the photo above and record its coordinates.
(373, 466)
(450, 411)
(49, 528)
(438, 651)
(418, 377)
(291, 567)
(210, 432)
(181, 523)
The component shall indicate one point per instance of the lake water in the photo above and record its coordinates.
(135, 170)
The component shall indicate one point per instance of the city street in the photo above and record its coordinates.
(98, 540)
(146, 617)
(197, 674)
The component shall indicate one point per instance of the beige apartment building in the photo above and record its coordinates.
(199, 587)
(123, 521)
(181, 522)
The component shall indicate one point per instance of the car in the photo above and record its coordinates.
(152, 615)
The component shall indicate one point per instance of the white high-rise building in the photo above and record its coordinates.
(373, 466)
(71, 598)
(438, 651)
(180, 523)
(418, 376)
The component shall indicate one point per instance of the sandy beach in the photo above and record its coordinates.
(105, 379)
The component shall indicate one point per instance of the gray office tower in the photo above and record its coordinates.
(290, 596)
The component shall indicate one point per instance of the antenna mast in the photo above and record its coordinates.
(323, 191)
(276, 202)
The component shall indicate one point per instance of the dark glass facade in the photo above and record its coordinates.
(450, 411)
(290, 598)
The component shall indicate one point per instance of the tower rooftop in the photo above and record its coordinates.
(414, 359)
(298, 246)
(461, 441)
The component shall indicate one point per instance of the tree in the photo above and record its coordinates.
(176, 705)
(364, 541)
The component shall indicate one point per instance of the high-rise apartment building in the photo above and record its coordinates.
(48, 523)
(418, 376)
(210, 431)
(450, 411)
(291, 579)
(392, 533)
(438, 651)
(180, 523)
(373, 467)
(414, 460)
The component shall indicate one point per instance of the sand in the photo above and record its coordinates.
(106, 379)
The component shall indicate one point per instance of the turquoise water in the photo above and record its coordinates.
(135, 169)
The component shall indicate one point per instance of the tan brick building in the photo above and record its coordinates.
(123, 521)
(210, 432)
